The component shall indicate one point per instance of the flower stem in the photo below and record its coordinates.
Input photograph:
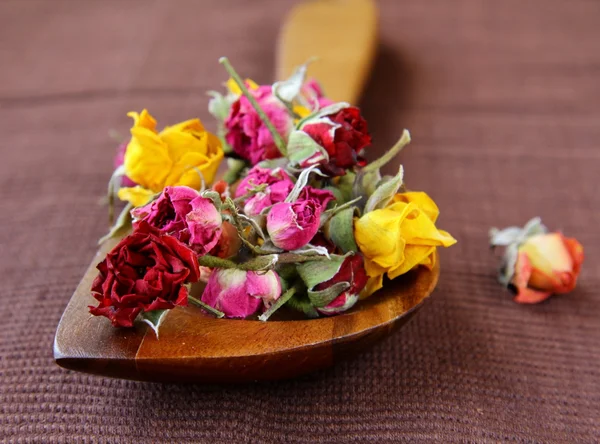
(279, 303)
(208, 308)
(392, 152)
(258, 189)
(238, 80)
(260, 263)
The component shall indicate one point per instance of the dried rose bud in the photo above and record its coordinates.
(247, 134)
(293, 225)
(183, 213)
(538, 264)
(353, 272)
(343, 135)
(239, 293)
(547, 263)
(278, 184)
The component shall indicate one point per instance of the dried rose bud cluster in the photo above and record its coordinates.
(300, 218)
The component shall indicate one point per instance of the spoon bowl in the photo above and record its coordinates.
(195, 347)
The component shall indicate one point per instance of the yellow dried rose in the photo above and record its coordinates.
(399, 237)
(182, 154)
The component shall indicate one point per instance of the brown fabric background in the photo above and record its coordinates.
(503, 102)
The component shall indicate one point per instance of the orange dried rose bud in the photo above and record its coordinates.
(547, 264)
(536, 263)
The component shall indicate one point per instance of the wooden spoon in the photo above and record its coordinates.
(195, 347)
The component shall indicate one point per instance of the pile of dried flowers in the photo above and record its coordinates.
(299, 219)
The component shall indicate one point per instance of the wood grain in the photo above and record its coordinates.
(341, 35)
(195, 347)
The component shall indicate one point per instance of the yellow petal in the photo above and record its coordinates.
(413, 256)
(301, 111)
(184, 137)
(373, 284)
(421, 200)
(137, 195)
(147, 160)
(143, 120)
(377, 235)
(202, 160)
(547, 253)
(233, 87)
(418, 229)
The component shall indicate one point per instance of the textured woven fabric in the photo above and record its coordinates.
(503, 102)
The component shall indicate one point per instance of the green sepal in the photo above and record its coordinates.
(340, 230)
(287, 90)
(301, 147)
(154, 318)
(385, 192)
(280, 162)
(339, 196)
(219, 104)
(300, 302)
(214, 197)
(324, 297)
(346, 185)
(280, 302)
(315, 272)
(325, 111)
(366, 183)
(302, 182)
(287, 272)
(234, 170)
(121, 226)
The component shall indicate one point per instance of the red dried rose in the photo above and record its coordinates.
(146, 271)
(344, 143)
(353, 272)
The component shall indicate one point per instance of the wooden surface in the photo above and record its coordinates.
(341, 35)
(195, 347)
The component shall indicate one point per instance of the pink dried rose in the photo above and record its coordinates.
(323, 197)
(313, 93)
(183, 213)
(229, 242)
(353, 272)
(239, 293)
(247, 134)
(278, 184)
(292, 225)
(538, 264)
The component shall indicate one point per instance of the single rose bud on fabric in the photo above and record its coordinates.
(248, 135)
(119, 159)
(239, 293)
(146, 271)
(343, 134)
(293, 225)
(278, 187)
(183, 213)
(538, 264)
(353, 272)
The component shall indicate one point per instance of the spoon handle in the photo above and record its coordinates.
(341, 34)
